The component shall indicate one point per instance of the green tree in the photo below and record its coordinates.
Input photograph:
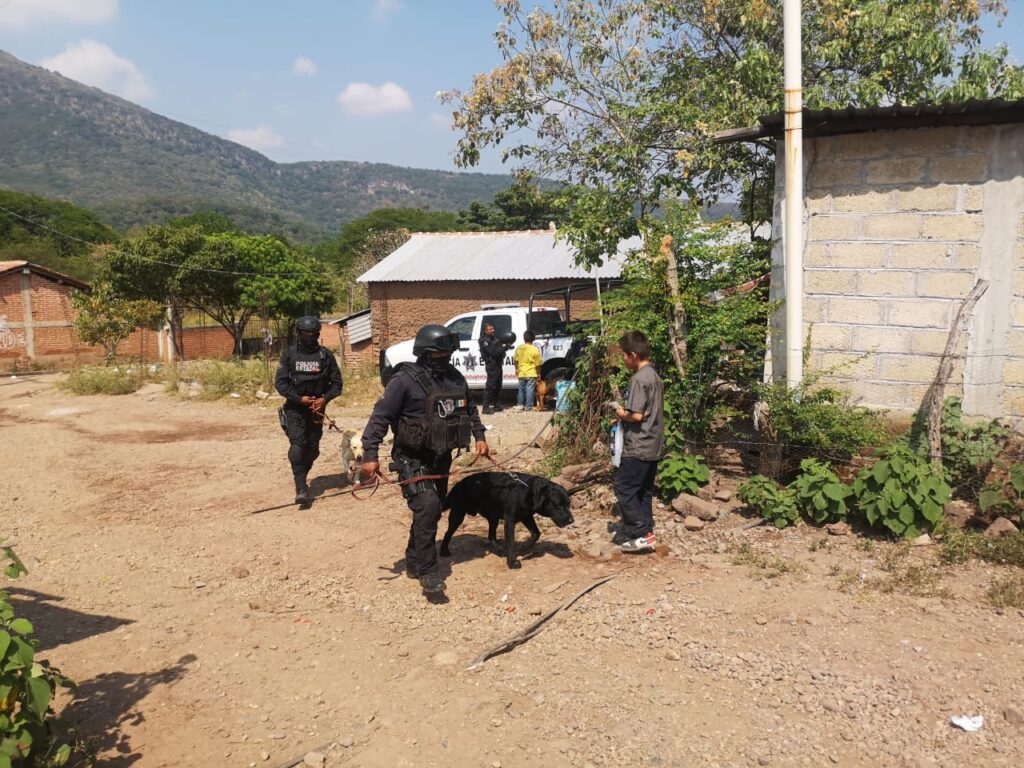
(524, 205)
(105, 319)
(376, 247)
(147, 268)
(209, 222)
(341, 251)
(28, 230)
(232, 277)
(623, 97)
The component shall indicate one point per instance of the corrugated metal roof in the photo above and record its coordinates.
(6, 267)
(531, 255)
(831, 122)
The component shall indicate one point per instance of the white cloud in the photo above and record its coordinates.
(96, 64)
(383, 10)
(365, 100)
(19, 14)
(304, 66)
(261, 138)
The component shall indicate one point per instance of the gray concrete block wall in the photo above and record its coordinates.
(898, 227)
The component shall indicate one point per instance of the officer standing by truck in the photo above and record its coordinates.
(492, 353)
(427, 406)
(308, 378)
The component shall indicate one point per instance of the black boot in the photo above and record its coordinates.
(432, 583)
(302, 497)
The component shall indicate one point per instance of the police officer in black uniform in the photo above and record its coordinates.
(492, 353)
(308, 378)
(427, 406)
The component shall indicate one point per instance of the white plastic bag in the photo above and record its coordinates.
(617, 436)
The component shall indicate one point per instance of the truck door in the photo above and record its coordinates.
(503, 323)
(467, 359)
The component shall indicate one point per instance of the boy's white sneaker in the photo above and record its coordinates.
(642, 544)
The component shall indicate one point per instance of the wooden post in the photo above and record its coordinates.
(677, 322)
(946, 369)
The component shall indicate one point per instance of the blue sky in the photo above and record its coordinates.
(305, 80)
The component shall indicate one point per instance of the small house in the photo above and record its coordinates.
(906, 209)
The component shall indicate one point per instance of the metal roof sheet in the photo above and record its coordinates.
(830, 122)
(465, 256)
(7, 267)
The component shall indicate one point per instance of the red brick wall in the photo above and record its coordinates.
(51, 313)
(400, 309)
(10, 298)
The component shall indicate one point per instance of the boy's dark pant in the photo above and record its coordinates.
(634, 488)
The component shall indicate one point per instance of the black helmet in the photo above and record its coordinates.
(435, 338)
(308, 324)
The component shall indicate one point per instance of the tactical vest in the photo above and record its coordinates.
(308, 371)
(445, 426)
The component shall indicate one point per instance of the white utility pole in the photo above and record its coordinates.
(793, 235)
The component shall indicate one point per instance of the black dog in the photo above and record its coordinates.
(510, 496)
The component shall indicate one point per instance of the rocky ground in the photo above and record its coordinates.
(202, 631)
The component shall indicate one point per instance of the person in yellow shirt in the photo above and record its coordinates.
(527, 359)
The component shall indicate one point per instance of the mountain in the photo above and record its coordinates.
(68, 141)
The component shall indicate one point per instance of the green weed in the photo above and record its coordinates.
(101, 380)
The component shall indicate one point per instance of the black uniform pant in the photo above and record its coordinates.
(304, 435)
(425, 499)
(492, 388)
(634, 490)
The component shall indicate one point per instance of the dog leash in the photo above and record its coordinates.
(319, 417)
(374, 483)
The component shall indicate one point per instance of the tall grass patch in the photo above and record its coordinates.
(222, 378)
(102, 380)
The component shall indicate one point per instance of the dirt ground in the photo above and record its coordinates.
(202, 634)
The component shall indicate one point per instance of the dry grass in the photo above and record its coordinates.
(961, 546)
(223, 378)
(361, 388)
(1007, 592)
(770, 565)
(103, 380)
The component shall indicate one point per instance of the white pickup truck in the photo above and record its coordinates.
(557, 347)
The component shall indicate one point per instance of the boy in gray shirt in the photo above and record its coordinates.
(642, 420)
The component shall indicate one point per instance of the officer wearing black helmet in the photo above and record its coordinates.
(428, 408)
(308, 378)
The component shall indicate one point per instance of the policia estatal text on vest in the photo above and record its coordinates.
(428, 408)
(308, 379)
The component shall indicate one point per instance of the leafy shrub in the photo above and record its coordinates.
(808, 420)
(902, 493)
(774, 503)
(96, 380)
(820, 495)
(28, 730)
(968, 449)
(682, 473)
(724, 339)
(1006, 496)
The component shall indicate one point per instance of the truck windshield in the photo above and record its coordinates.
(547, 322)
(463, 326)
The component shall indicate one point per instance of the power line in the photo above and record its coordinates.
(148, 260)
